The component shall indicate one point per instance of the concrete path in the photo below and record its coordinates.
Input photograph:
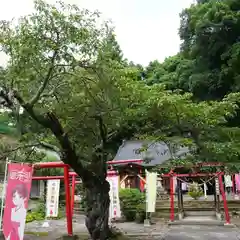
(201, 233)
(159, 231)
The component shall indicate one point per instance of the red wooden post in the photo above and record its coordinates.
(171, 198)
(227, 217)
(73, 192)
(68, 201)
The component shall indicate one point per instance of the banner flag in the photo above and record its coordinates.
(114, 209)
(52, 200)
(151, 191)
(16, 202)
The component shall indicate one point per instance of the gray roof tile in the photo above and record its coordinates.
(158, 152)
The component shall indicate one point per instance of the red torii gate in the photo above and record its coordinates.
(219, 175)
(66, 178)
(171, 175)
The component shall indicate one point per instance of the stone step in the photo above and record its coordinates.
(197, 201)
(192, 208)
(198, 220)
(191, 205)
(78, 210)
(199, 213)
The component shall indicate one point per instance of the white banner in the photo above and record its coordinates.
(151, 191)
(217, 186)
(52, 200)
(114, 209)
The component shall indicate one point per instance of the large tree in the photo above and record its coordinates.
(66, 71)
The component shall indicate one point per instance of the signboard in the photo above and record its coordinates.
(114, 209)
(151, 191)
(16, 202)
(53, 187)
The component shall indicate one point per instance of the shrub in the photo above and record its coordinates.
(40, 214)
(141, 213)
(132, 203)
(195, 191)
(34, 216)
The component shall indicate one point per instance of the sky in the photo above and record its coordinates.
(146, 30)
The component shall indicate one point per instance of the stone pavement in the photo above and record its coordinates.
(58, 228)
(201, 233)
(159, 231)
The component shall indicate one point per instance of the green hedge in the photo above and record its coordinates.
(40, 213)
(133, 205)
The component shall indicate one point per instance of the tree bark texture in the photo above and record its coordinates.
(97, 211)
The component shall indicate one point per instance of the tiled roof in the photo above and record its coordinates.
(158, 152)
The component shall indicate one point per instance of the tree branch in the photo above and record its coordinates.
(22, 147)
(45, 81)
(50, 147)
(102, 130)
(53, 91)
(40, 119)
(69, 153)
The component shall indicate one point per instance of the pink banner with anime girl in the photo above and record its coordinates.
(16, 200)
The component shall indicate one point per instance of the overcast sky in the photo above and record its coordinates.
(146, 29)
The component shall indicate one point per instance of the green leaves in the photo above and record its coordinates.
(210, 31)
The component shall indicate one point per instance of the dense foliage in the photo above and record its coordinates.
(207, 68)
(208, 63)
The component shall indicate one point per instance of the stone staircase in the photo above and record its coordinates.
(207, 218)
(163, 207)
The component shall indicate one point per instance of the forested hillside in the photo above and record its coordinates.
(208, 64)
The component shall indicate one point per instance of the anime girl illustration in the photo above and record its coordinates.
(18, 212)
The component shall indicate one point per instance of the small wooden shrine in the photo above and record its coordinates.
(134, 163)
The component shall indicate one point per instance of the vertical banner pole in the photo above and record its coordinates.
(233, 186)
(3, 192)
(179, 186)
(68, 201)
(151, 194)
(227, 217)
(46, 223)
(171, 198)
(217, 194)
(73, 192)
(205, 190)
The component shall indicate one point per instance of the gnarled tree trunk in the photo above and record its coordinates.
(97, 210)
(97, 188)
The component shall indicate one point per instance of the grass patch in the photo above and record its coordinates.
(39, 234)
